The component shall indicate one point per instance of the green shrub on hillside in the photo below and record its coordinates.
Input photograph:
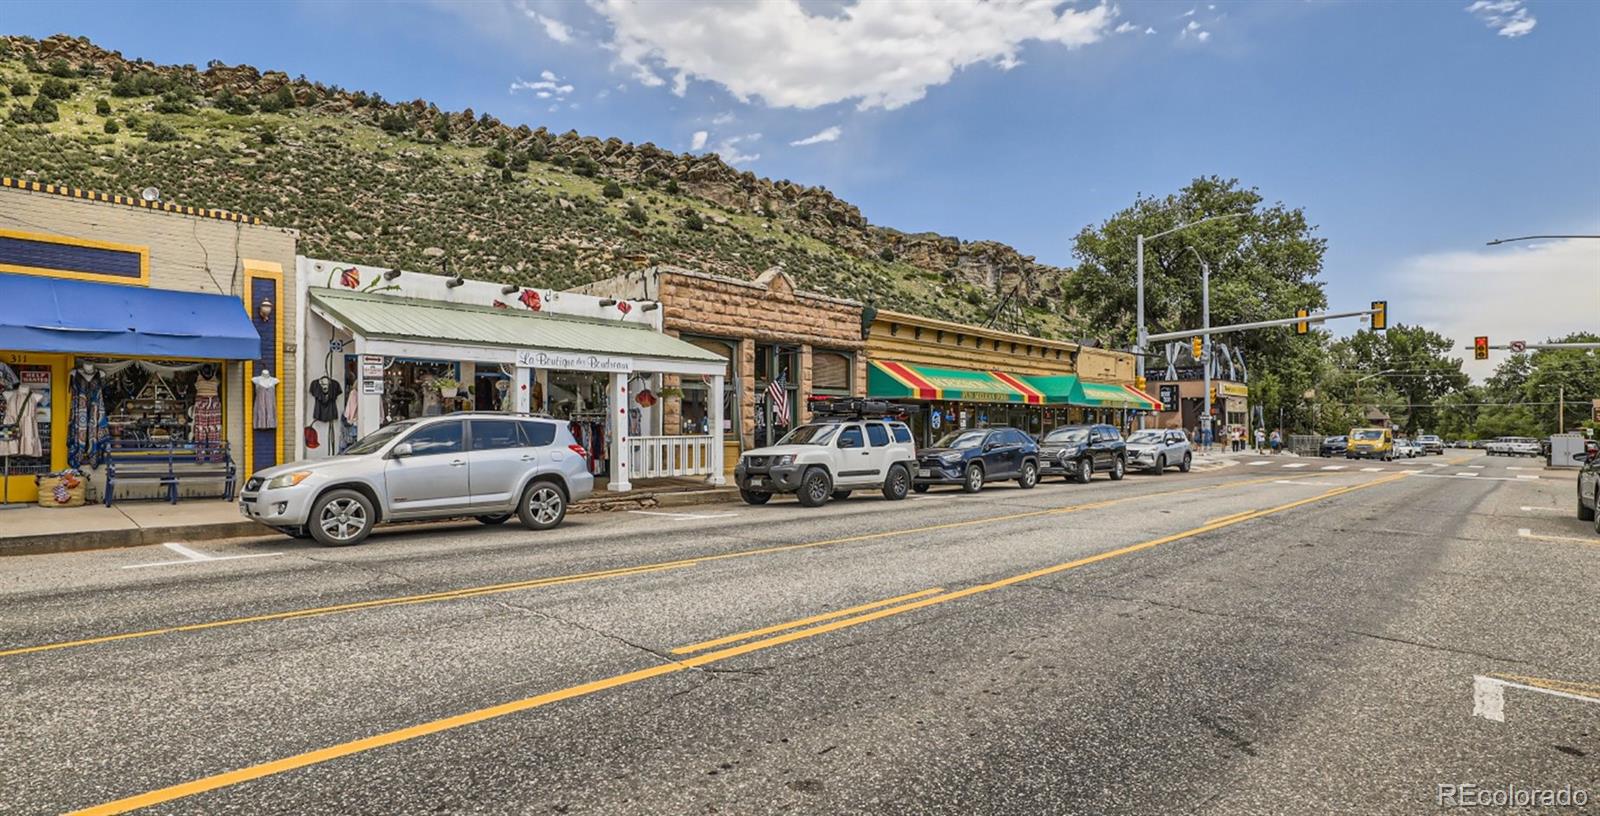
(636, 214)
(232, 103)
(693, 221)
(394, 122)
(161, 132)
(61, 68)
(495, 157)
(21, 88)
(112, 126)
(280, 100)
(57, 88)
(102, 107)
(611, 190)
(173, 102)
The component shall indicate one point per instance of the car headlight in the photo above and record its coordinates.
(786, 459)
(950, 458)
(288, 479)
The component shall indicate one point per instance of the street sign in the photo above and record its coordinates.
(1480, 348)
(1519, 346)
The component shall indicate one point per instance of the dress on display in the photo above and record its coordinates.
(266, 411)
(207, 411)
(88, 427)
(20, 408)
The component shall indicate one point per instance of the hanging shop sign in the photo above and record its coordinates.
(371, 366)
(372, 386)
(573, 361)
(1169, 398)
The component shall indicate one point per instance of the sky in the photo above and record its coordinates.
(1411, 133)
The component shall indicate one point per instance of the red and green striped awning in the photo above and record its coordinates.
(893, 380)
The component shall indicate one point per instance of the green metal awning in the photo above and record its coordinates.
(1105, 395)
(1057, 389)
(896, 380)
(431, 321)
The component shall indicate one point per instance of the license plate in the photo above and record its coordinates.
(757, 482)
(924, 473)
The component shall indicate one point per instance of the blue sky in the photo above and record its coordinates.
(1410, 132)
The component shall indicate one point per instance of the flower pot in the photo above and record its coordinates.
(448, 393)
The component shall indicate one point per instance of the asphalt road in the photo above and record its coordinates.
(1261, 639)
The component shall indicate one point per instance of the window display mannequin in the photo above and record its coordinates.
(207, 427)
(266, 410)
(88, 429)
(19, 422)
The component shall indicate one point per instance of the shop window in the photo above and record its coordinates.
(440, 437)
(155, 402)
(495, 434)
(877, 434)
(695, 406)
(830, 373)
(776, 411)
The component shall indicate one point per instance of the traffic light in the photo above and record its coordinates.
(1480, 348)
(1380, 315)
(1303, 326)
(1197, 346)
(1139, 383)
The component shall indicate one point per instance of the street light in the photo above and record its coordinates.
(1139, 340)
(1205, 342)
(1498, 241)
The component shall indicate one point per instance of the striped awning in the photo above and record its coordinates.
(894, 380)
(1108, 395)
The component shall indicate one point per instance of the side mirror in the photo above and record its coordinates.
(1583, 457)
(400, 451)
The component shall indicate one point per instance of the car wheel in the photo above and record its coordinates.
(972, 481)
(1119, 468)
(815, 487)
(919, 488)
(1161, 465)
(1587, 513)
(752, 497)
(543, 506)
(898, 484)
(498, 518)
(1597, 506)
(841, 495)
(341, 518)
(1085, 471)
(1029, 477)
(1188, 462)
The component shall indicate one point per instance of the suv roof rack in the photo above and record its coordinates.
(847, 408)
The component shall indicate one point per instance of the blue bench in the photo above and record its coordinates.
(168, 465)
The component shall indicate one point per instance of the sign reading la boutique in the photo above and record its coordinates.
(573, 361)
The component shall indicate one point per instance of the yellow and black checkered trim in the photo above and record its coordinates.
(127, 201)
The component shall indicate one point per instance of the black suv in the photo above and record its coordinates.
(1078, 451)
(977, 455)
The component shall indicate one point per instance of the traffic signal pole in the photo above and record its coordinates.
(1207, 331)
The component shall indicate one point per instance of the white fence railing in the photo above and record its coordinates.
(657, 456)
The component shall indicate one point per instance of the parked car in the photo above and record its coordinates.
(1431, 443)
(1589, 485)
(1155, 450)
(1334, 446)
(489, 466)
(972, 457)
(1371, 443)
(831, 458)
(1406, 449)
(1515, 446)
(1079, 451)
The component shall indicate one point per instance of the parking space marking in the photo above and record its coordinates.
(1478, 467)
(319, 756)
(1527, 533)
(684, 516)
(1527, 476)
(194, 557)
(1466, 473)
(1333, 467)
(1296, 465)
(1262, 462)
(1371, 470)
(1489, 699)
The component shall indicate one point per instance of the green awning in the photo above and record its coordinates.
(894, 380)
(433, 321)
(1105, 395)
(1057, 389)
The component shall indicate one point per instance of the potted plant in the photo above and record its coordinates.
(669, 391)
(447, 387)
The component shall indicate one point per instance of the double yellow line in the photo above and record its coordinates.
(558, 580)
(788, 633)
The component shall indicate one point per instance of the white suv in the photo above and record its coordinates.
(830, 459)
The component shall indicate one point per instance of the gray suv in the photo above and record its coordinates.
(487, 465)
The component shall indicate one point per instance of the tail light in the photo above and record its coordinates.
(578, 449)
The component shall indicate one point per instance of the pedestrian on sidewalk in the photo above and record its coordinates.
(1277, 441)
(1261, 441)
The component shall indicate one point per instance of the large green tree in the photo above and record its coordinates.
(1414, 363)
(1524, 394)
(1264, 263)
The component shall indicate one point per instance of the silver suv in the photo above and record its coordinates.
(487, 465)
(1156, 449)
(820, 460)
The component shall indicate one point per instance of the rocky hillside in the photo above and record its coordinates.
(405, 183)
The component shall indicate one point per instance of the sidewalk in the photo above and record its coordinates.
(32, 530)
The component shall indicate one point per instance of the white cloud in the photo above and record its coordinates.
(1528, 291)
(728, 149)
(1189, 13)
(1149, 30)
(830, 134)
(547, 75)
(553, 28)
(549, 85)
(1124, 27)
(698, 140)
(1203, 36)
(1193, 29)
(883, 53)
(722, 119)
(1508, 18)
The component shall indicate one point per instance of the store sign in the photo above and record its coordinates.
(1169, 397)
(372, 386)
(1232, 390)
(371, 366)
(574, 361)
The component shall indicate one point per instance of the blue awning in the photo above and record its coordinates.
(80, 317)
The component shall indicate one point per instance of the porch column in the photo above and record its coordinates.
(618, 440)
(521, 395)
(369, 407)
(714, 409)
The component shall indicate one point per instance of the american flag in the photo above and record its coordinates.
(778, 400)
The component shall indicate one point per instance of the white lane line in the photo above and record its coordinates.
(1525, 476)
(1527, 509)
(1296, 465)
(1478, 467)
(194, 557)
(1466, 473)
(1262, 462)
(1527, 533)
(683, 516)
(1514, 467)
(1413, 472)
(1439, 464)
(1303, 483)
(1371, 470)
(1333, 467)
(1489, 699)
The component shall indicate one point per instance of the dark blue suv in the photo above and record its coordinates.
(977, 455)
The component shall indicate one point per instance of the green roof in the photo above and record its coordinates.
(401, 318)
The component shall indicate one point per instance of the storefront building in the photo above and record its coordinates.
(384, 345)
(781, 348)
(126, 323)
(1181, 390)
(961, 376)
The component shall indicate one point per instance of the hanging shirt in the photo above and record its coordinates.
(21, 407)
(325, 393)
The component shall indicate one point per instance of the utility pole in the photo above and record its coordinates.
(1208, 432)
(1561, 410)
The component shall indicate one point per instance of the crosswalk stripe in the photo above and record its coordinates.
(1466, 473)
(1370, 470)
(1262, 462)
(1333, 467)
(1296, 465)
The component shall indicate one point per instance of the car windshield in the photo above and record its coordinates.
(809, 435)
(1072, 435)
(961, 439)
(373, 442)
(1147, 436)
(1367, 435)
(1334, 439)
